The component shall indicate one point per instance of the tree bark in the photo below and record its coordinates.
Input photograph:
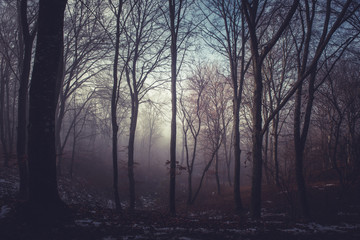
(173, 48)
(275, 148)
(28, 39)
(257, 138)
(44, 201)
(114, 101)
(237, 151)
(217, 172)
(4, 142)
(131, 148)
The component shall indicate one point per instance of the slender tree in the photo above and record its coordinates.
(225, 25)
(176, 21)
(117, 10)
(191, 118)
(307, 67)
(143, 55)
(253, 11)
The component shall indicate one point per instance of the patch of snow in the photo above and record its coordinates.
(184, 238)
(110, 204)
(180, 229)
(347, 214)
(204, 230)
(319, 228)
(87, 223)
(243, 231)
(163, 229)
(139, 237)
(229, 222)
(273, 214)
(147, 201)
(329, 185)
(4, 210)
(96, 224)
(294, 230)
(251, 230)
(274, 222)
(109, 238)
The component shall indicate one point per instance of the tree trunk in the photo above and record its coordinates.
(73, 144)
(189, 201)
(4, 142)
(114, 101)
(44, 201)
(150, 145)
(299, 154)
(275, 148)
(217, 172)
(257, 138)
(173, 48)
(58, 125)
(134, 116)
(266, 160)
(226, 152)
(23, 100)
(258, 56)
(237, 151)
(300, 181)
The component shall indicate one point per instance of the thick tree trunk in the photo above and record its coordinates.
(44, 201)
(299, 142)
(23, 100)
(300, 181)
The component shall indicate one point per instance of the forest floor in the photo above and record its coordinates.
(211, 217)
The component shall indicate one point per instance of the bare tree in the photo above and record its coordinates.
(230, 40)
(142, 54)
(216, 99)
(175, 21)
(254, 12)
(191, 119)
(117, 11)
(307, 66)
(83, 53)
(151, 126)
(278, 71)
